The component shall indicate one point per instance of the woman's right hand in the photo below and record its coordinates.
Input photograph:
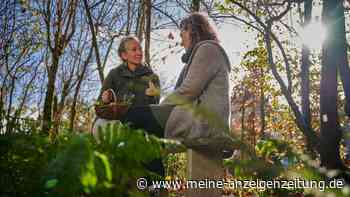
(152, 90)
(107, 97)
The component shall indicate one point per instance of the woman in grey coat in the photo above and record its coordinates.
(201, 97)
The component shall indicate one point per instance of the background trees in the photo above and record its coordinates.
(54, 56)
(269, 19)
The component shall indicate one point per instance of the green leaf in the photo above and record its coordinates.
(88, 178)
(106, 165)
(51, 183)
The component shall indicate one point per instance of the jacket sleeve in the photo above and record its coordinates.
(205, 64)
(108, 83)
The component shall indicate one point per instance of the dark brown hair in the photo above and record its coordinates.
(122, 45)
(199, 28)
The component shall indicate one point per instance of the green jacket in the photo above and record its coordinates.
(126, 83)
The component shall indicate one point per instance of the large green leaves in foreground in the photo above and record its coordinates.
(77, 164)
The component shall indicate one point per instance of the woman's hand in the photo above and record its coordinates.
(152, 90)
(107, 97)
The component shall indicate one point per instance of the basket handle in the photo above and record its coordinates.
(113, 94)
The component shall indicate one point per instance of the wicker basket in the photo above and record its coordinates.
(112, 111)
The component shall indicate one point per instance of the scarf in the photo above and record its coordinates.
(186, 56)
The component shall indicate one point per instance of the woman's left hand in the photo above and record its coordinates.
(152, 90)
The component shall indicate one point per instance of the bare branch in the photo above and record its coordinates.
(94, 41)
(167, 15)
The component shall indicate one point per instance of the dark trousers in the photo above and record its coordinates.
(151, 118)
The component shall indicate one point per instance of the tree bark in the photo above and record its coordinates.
(269, 36)
(61, 105)
(148, 31)
(50, 89)
(9, 125)
(26, 91)
(305, 71)
(343, 66)
(262, 103)
(77, 90)
(141, 21)
(128, 22)
(94, 41)
(330, 137)
(311, 137)
(2, 109)
(243, 105)
(62, 36)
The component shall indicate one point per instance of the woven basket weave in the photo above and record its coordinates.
(112, 111)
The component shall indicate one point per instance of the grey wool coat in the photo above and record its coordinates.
(202, 101)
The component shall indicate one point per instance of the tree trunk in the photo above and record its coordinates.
(94, 41)
(2, 111)
(262, 103)
(343, 66)
(47, 113)
(309, 133)
(77, 89)
(60, 106)
(305, 71)
(148, 31)
(332, 12)
(345, 77)
(244, 99)
(25, 94)
(63, 28)
(9, 125)
(141, 21)
(128, 19)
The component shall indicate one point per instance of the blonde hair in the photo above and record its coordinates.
(122, 45)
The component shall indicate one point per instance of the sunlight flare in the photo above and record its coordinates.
(313, 35)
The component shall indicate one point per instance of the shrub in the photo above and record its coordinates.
(76, 164)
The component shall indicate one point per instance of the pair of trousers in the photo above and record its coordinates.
(152, 119)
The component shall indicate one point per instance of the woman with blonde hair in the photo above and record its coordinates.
(131, 78)
(138, 84)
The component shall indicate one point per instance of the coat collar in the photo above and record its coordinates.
(189, 59)
(140, 71)
(209, 42)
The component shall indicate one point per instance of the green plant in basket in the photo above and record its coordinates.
(115, 109)
(127, 99)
